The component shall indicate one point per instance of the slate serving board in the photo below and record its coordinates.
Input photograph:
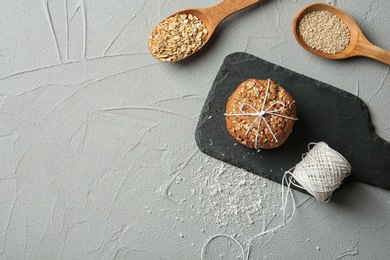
(325, 113)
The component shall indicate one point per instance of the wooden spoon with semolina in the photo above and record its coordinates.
(318, 38)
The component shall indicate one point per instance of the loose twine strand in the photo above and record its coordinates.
(261, 114)
(320, 173)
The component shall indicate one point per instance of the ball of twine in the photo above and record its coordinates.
(321, 171)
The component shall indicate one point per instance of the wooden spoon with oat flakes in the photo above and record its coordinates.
(358, 43)
(185, 32)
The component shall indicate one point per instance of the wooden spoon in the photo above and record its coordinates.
(358, 44)
(213, 15)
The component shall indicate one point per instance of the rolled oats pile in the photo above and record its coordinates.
(177, 37)
(324, 31)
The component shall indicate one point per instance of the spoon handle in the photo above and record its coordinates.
(225, 8)
(380, 54)
(369, 50)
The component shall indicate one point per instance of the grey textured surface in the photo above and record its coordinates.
(97, 152)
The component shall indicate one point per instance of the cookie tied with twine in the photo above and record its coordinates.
(260, 114)
(321, 171)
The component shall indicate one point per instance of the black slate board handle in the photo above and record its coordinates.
(325, 113)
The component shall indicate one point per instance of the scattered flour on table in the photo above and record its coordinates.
(231, 198)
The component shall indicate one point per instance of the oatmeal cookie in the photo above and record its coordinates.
(260, 114)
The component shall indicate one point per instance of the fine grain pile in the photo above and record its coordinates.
(324, 31)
